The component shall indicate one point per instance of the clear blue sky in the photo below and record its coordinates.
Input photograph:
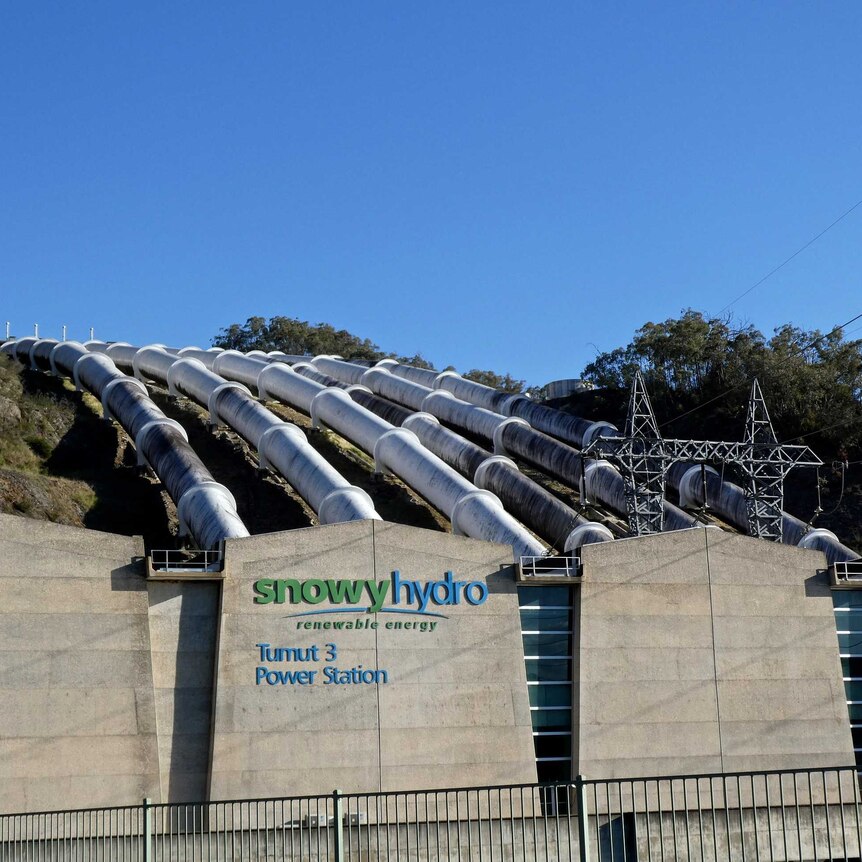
(497, 185)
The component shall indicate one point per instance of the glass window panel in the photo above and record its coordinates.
(849, 621)
(549, 670)
(853, 690)
(556, 595)
(548, 645)
(553, 746)
(548, 620)
(852, 667)
(847, 598)
(857, 736)
(552, 695)
(855, 710)
(552, 719)
(851, 643)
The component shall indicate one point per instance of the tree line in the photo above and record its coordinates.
(295, 336)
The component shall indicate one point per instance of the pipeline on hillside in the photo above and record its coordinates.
(280, 445)
(206, 509)
(546, 515)
(724, 497)
(601, 482)
(472, 511)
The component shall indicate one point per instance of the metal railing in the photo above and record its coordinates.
(171, 560)
(781, 815)
(550, 568)
(847, 571)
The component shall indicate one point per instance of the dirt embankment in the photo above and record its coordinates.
(59, 461)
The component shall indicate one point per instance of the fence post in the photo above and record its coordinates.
(147, 830)
(338, 825)
(583, 819)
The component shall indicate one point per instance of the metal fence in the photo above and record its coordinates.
(787, 815)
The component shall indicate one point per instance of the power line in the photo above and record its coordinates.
(820, 430)
(792, 256)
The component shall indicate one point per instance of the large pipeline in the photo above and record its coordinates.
(602, 483)
(472, 511)
(279, 444)
(206, 509)
(724, 497)
(546, 515)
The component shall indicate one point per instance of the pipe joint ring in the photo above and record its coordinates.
(191, 348)
(262, 392)
(413, 417)
(438, 380)
(361, 501)
(384, 364)
(313, 409)
(479, 493)
(396, 433)
(52, 361)
(587, 534)
(114, 344)
(288, 432)
(107, 413)
(431, 396)
(688, 482)
(31, 354)
(144, 431)
(189, 495)
(357, 387)
(76, 373)
(178, 366)
(810, 539)
(597, 429)
(480, 476)
(499, 446)
(373, 372)
(595, 465)
(218, 360)
(506, 405)
(139, 355)
(213, 396)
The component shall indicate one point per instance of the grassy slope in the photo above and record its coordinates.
(60, 462)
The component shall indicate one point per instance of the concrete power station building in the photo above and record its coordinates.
(535, 642)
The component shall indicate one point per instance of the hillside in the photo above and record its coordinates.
(59, 461)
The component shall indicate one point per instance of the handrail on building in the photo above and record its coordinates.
(847, 573)
(548, 569)
(183, 562)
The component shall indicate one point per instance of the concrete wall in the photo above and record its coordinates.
(454, 711)
(77, 714)
(703, 651)
(184, 622)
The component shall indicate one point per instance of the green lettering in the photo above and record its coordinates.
(341, 590)
(377, 590)
(314, 591)
(282, 586)
(264, 590)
